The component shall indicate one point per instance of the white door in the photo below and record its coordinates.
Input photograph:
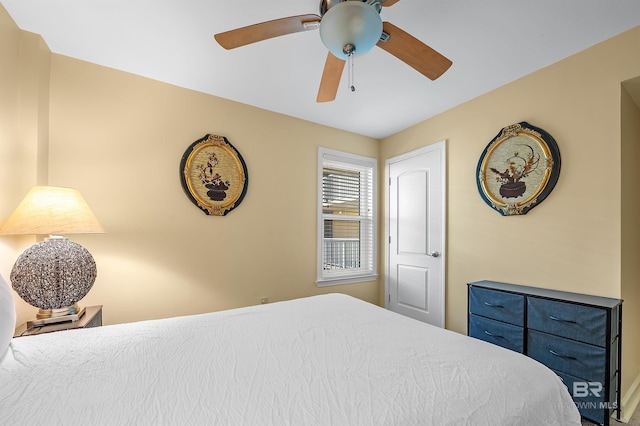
(416, 234)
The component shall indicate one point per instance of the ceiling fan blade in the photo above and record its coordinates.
(266, 30)
(331, 75)
(387, 3)
(413, 52)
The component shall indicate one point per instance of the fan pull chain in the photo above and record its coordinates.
(348, 50)
(351, 73)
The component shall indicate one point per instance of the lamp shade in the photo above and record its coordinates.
(352, 23)
(52, 210)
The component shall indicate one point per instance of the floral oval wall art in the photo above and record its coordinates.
(214, 175)
(518, 169)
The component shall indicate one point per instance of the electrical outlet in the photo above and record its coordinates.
(264, 300)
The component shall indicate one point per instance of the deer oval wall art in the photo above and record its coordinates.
(214, 175)
(518, 169)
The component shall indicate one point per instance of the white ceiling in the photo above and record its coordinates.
(490, 42)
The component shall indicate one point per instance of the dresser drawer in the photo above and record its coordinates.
(584, 323)
(592, 399)
(496, 332)
(587, 362)
(499, 305)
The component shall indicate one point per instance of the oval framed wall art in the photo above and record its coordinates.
(518, 169)
(214, 175)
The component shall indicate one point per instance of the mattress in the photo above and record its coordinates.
(322, 360)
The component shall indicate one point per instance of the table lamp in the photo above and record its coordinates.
(54, 274)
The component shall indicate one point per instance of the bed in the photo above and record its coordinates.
(322, 360)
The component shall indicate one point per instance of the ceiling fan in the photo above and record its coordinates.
(346, 27)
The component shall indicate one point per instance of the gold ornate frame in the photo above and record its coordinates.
(214, 175)
(518, 169)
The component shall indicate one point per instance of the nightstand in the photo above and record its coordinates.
(91, 318)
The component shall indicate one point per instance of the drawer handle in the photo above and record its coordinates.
(493, 335)
(561, 356)
(491, 305)
(551, 317)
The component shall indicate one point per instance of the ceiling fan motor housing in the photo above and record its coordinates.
(350, 26)
(328, 4)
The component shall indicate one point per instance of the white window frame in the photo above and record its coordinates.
(370, 271)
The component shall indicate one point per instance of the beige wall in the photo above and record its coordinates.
(630, 243)
(119, 138)
(24, 107)
(573, 240)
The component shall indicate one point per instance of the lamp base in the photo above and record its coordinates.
(53, 316)
(52, 274)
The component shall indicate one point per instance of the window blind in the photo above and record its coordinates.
(347, 219)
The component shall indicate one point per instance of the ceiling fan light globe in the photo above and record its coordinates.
(350, 22)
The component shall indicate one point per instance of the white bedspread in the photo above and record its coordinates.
(323, 360)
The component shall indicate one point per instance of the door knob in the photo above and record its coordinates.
(434, 254)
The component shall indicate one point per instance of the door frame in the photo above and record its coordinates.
(438, 146)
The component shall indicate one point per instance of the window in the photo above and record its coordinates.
(346, 218)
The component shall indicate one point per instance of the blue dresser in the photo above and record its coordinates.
(577, 336)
